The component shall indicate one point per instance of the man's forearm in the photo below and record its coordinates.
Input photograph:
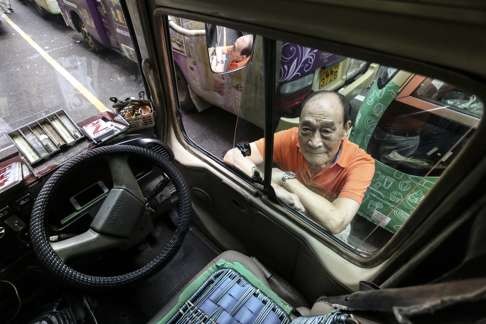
(318, 206)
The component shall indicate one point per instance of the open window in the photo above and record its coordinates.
(214, 84)
(352, 138)
(409, 127)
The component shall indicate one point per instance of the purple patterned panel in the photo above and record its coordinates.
(297, 61)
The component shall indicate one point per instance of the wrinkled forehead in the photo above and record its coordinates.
(323, 109)
(318, 121)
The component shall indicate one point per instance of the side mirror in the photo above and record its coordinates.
(228, 49)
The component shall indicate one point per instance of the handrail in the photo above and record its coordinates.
(185, 31)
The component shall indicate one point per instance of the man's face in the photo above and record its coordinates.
(244, 42)
(321, 130)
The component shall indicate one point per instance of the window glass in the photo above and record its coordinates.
(65, 62)
(384, 74)
(357, 145)
(417, 142)
(220, 107)
(362, 157)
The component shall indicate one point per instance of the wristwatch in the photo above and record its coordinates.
(244, 148)
(288, 175)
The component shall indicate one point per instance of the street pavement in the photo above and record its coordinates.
(30, 87)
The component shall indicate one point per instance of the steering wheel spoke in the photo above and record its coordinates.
(84, 243)
(122, 175)
(119, 214)
(124, 205)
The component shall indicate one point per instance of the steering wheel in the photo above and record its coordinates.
(115, 221)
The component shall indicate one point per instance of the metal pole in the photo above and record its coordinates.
(269, 53)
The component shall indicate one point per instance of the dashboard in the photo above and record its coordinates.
(15, 208)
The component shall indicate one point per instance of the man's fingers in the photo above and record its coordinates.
(288, 198)
(229, 157)
(297, 204)
(300, 207)
(282, 194)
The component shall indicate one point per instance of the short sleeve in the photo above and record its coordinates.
(358, 179)
(281, 142)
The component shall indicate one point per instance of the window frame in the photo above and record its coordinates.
(469, 157)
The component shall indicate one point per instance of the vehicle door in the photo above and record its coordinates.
(242, 213)
(87, 18)
(115, 27)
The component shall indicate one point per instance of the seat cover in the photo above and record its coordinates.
(236, 263)
(227, 297)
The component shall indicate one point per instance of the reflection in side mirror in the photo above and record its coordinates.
(228, 49)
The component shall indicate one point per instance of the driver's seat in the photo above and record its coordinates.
(232, 288)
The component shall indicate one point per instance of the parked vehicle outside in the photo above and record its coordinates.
(46, 7)
(101, 23)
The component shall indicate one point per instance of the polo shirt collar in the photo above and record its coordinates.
(343, 156)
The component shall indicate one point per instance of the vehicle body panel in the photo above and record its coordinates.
(50, 6)
(103, 20)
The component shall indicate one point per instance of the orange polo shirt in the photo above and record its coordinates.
(349, 177)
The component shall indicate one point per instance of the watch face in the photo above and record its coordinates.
(288, 175)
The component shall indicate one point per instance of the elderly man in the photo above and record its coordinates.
(320, 170)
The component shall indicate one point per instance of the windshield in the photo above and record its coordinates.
(60, 61)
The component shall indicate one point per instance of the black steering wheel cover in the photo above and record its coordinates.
(49, 258)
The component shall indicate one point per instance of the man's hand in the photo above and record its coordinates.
(335, 215)
(288, 198)
(247, 164)
(277, 175)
